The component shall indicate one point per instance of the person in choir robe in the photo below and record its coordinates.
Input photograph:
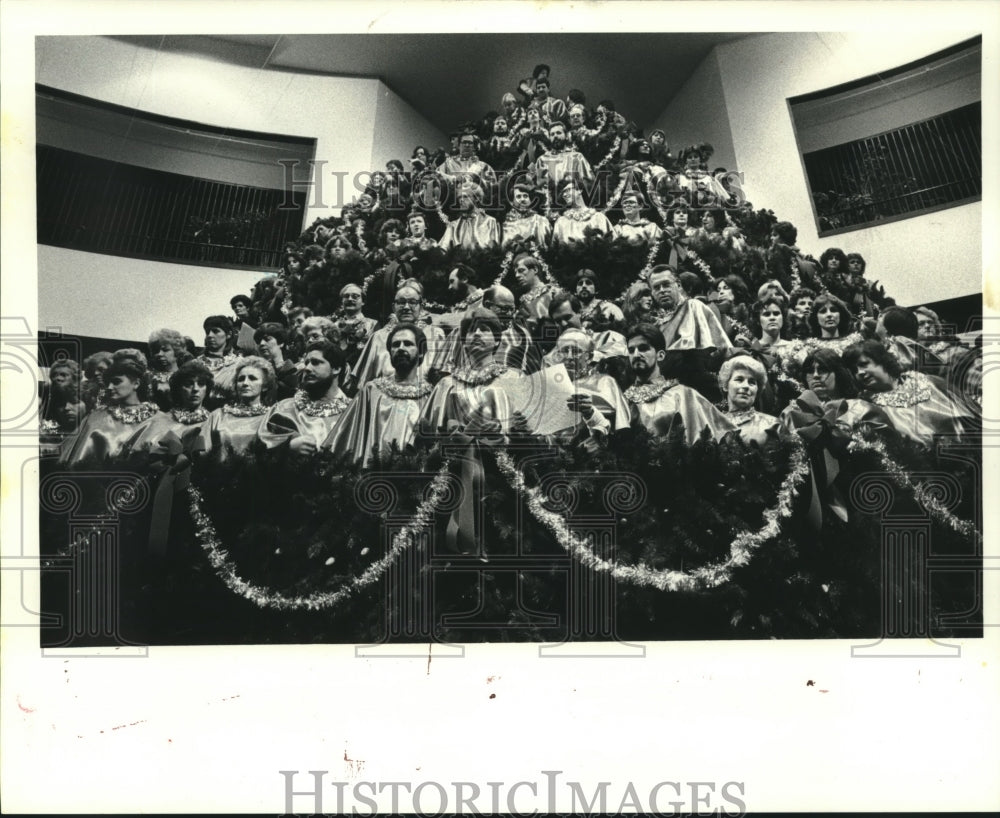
(466, 295)
(657, 403)
(386, 411)
(551, 109)
(633, 227)
(354, 326)
(234, 428)
(93, 390)
(467, 166)
(62, 408)
(535, 294)
(271, 342)
(461, 395)
(473, 229)
(300, 424)
(898, 328)
(104, 433)
(517, 349)
(220, 357)
(561, 161)
(244, 324)
(611, 412)
(686, 323)
(916, 407)
(189, 387)
(522, 223)
(167, 351)
(577, 218)
(407, 307)
(416, 224)
(596, 314)
(741, 380)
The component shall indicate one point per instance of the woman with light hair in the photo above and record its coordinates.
(741, 380)
(167, 351)
(232, 428)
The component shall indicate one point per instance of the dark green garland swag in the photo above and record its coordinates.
(306, 529)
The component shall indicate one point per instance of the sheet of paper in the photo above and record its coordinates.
(541, 398)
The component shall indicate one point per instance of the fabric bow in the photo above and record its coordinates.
(817, 425)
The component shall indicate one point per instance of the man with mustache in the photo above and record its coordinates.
(596, 314)
(561, 161)
(658, 403)
(386, 410)
(535, 294)
(301, 423)
(407, 308)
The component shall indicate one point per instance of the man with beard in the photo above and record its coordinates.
(658, 403)
(522, 223)
(62, 408)
(304, 421)
(561, 161)
(501, 152)
(386, 411)
(633, 228)
(466, 295)
(407, 307)
(473, 229)
(461, 397)
(596, 314)
(467, 166)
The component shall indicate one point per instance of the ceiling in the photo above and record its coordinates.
(453, 78)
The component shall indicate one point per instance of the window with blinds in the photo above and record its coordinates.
(897, 146)
(116, 181)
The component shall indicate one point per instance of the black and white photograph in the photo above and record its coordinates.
(372, 341)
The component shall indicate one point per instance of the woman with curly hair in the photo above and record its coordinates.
(92, 390)
(731, 297)
(167, 351)
(638, 304)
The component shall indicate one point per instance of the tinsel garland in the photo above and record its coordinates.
(608, 156)
(219, 558)
(930, 503)
(504, 268)
(708, 576)
(616, 194)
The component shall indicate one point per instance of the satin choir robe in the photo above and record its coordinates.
(554, 166)
(227, 434)
(529, 226)
(452, 403)
(694, 326)
(376, 419)
(695, 411)
(101, 437)
(375, 362)
(159, 426)
(640, 232)
(473, 232)
(919, 410)
(568, 229)
(285, 421)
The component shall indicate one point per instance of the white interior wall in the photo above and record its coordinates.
(355, 122)
(698, 113)
(925, 258)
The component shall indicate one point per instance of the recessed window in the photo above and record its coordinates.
(895, 146)
(123, 182)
